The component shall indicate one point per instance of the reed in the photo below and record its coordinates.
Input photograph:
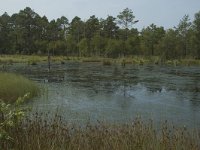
(138, 60)
(13, 86)
(107, 63)
(43, 134)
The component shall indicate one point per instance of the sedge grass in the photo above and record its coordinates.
(43, 134)
(13, 86)
(140, 60)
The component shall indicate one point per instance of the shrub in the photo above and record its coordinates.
(10, 116)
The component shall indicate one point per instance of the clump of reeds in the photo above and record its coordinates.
(189, 62)
(62, 62)
(33, 63)
(41, 133)
(107, 63)
(13, 86)
(91, 59)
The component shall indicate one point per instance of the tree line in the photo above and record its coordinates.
(27, 32)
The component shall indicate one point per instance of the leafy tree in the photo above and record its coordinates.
(98, 44)
(133, 45)
(109, 27)
(92, 27)
(42, 27)
(83, 47)
(183, 30)
(17, 34)
(169, 46)
(77, 29)
(197, 33)
(114, 48)
(126, 20)
(4, 33)
(26, 22)
(62, 24)
(26, 32)
(72, 46)
(41, 46)
(150, 38)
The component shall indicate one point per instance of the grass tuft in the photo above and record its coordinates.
(13, 86)
(107, 63)
(41, 133)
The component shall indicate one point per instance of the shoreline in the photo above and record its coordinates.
(138, 60)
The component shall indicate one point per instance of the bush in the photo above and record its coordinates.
(10, 116)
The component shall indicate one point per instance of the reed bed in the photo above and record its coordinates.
(44, 134)
(35, 59)
(13, 86)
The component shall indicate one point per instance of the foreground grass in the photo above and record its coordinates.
(42, 134)
(13, 86)
(34, 59)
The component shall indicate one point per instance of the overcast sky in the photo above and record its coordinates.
(165, 13)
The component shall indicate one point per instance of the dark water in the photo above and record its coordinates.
(91, 91)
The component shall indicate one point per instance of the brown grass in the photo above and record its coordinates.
(42, 134)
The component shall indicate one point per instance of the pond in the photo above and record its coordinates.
(91, 91)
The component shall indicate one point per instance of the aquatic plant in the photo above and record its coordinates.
(107, 63)
(13, 86)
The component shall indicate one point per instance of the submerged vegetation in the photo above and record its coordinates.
(42, 133)
(13, 86)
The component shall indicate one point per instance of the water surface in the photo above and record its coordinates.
(91, 91)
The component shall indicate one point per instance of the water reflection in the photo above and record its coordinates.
(114, 93)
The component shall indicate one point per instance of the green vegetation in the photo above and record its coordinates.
(10, 116)
(26, 37)
(40, 133)
(107, 62)
(13, 86)
(113, 37)
(138, 60)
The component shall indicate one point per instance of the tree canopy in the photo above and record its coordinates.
(26, 32)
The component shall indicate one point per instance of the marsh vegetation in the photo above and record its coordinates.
(42, 133)
(101, 74)
(112, 93)
(13, 86)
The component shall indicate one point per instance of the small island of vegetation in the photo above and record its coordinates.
(14, 86)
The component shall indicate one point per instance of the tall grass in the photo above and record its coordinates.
(35, 59)
(43, 134)
(13, 86)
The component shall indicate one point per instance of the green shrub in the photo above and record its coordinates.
(10, 116)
